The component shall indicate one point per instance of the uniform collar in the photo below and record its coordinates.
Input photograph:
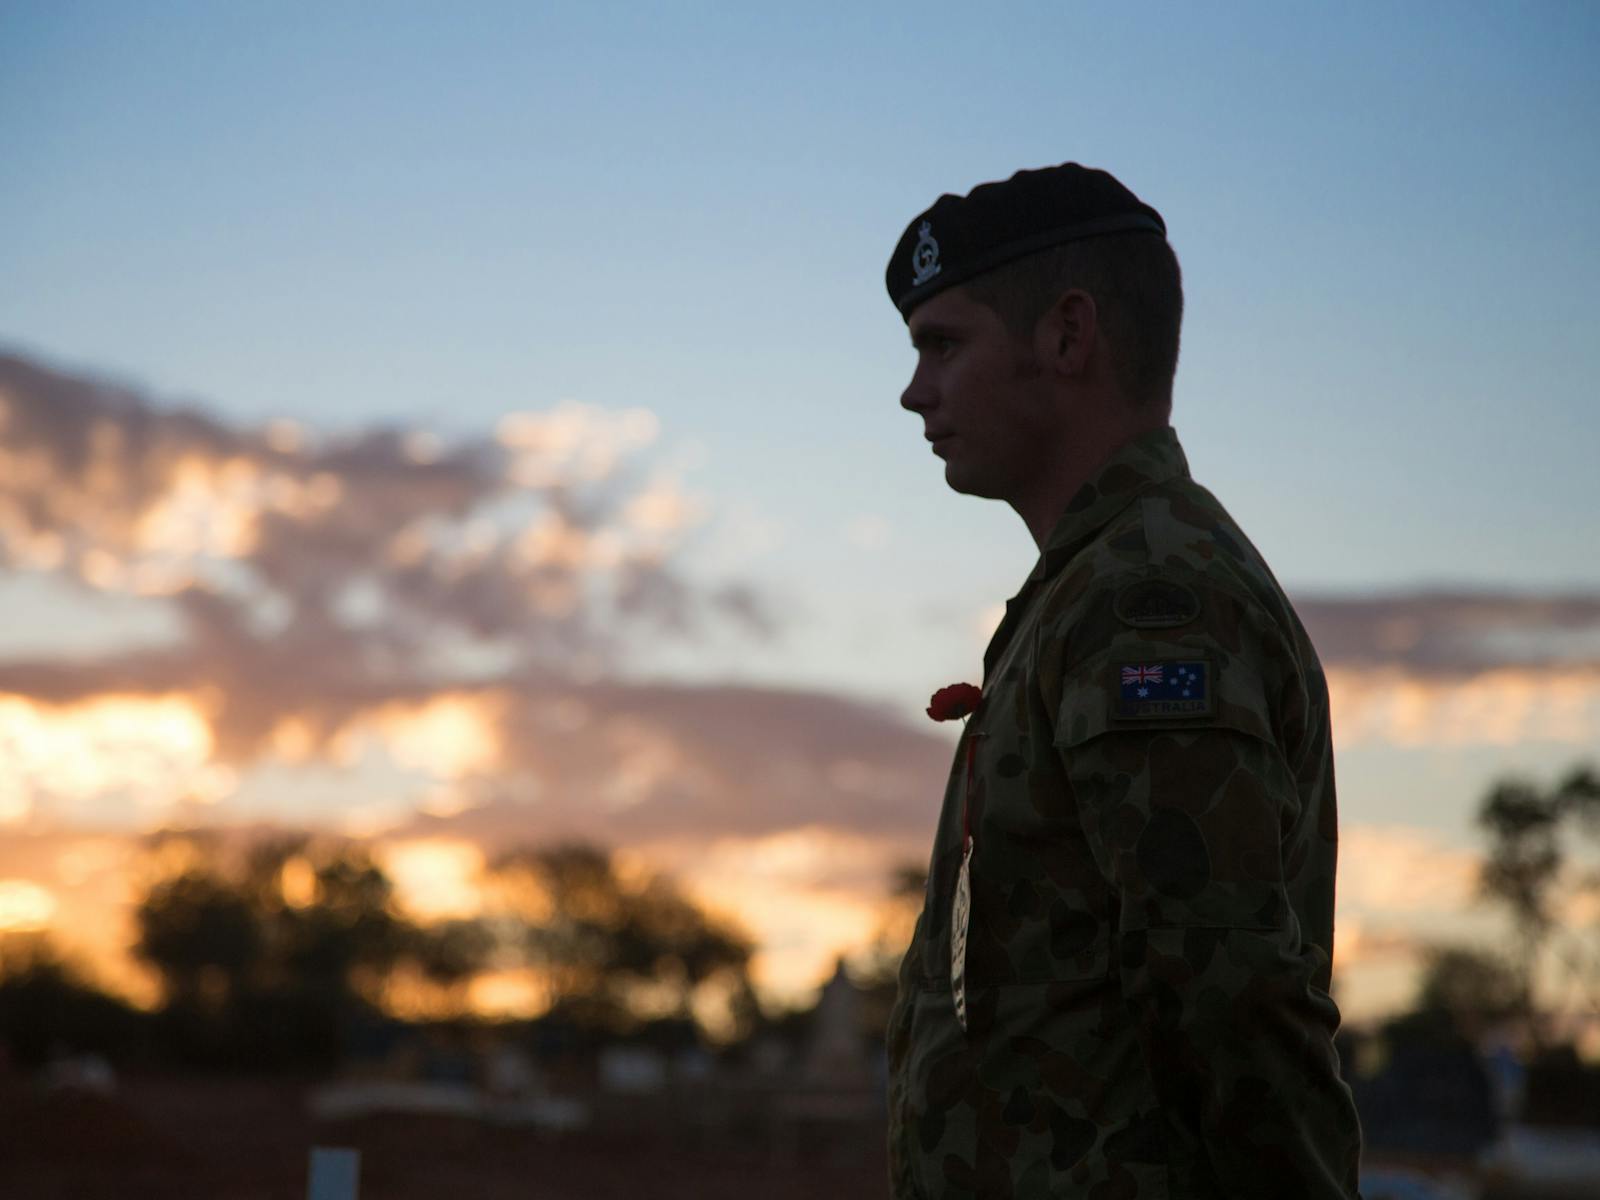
(1140, 464)
(1147, 460)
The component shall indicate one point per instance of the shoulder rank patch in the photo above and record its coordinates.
(1170, 687)
(1156, 604)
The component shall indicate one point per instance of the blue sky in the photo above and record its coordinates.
(428, 216)
(441, 214)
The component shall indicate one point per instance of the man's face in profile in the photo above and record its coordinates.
(980, 394)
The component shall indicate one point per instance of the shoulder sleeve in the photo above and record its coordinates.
(1186, 803)
(1168, 739)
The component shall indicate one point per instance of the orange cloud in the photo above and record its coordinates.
(435, 879)
(1501, 706)
(333, 588)
(154, 751)
(1403, 870)
(448, 736)
(25, 905)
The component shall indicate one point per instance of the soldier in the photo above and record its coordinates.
(1119, 985)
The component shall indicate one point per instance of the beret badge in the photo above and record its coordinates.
(926, 256)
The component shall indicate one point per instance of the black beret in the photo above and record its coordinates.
(963, 236)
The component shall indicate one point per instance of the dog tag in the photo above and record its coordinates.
(960, 914)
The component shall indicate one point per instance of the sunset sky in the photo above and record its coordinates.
(475, 425)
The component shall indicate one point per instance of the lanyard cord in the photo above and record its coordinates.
(966, 796)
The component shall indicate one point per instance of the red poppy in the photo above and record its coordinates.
(957, 700)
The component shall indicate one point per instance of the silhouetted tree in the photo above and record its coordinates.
(202, 935)
(1530, 832)
(876, 970)
(451, 953)
(1469, 989)
(255, 976)
(605, 945)
(273, 962)
(48, 1005)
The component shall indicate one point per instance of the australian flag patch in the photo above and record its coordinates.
(1163, 688)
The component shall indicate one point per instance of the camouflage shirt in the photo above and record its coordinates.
(1151, 925)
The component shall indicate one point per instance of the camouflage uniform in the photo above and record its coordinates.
(1151, 932)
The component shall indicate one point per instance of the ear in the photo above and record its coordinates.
(1066, 333)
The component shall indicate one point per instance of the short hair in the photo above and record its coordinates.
(1138, 296)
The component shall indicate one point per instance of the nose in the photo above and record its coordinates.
(916, 398)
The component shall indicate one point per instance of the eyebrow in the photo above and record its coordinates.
(932, 329)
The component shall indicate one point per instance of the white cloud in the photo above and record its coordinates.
(384, 560)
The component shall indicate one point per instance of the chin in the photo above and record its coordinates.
(961, 483)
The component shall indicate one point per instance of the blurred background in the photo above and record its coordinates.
(470, 591)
